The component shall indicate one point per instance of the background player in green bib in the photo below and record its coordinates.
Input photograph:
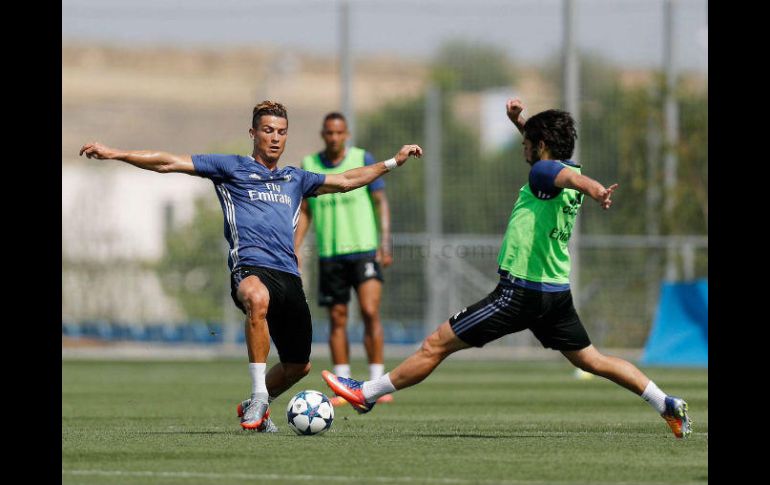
(350, 247)
(533, 292)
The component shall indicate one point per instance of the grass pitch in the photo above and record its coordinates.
(468, 423)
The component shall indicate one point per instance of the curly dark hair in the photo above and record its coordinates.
(556, 128)
(270, 108)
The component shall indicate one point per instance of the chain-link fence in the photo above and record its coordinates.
(432, 73)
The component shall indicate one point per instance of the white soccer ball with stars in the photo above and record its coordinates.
(310, 412)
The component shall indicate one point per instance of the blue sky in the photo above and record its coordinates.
(629, 32)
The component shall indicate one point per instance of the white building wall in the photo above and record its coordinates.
(117, 212)
(113, 220)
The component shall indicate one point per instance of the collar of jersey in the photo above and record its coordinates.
(271, 172)
(568, 162)
(327, 163)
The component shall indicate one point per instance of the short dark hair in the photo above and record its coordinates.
(270, 108)
(555, 128)
(334, 115)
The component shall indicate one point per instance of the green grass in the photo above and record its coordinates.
(469, 422)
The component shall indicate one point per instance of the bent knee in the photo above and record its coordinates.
(592, 364)
(256, 301)
(433, 348)
(297, 371)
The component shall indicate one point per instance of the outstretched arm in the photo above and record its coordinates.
(358, 177)
(514, 108)
(156, 161)
(569, 179)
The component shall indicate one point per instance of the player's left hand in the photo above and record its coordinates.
(385, 258)
(406, 152)
(605, 196)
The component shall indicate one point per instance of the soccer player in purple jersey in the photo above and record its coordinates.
(261, 204)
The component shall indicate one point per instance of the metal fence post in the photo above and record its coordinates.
(433, 208)
(571, 97)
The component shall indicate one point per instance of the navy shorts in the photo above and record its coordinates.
(551, 316)
(288, 316)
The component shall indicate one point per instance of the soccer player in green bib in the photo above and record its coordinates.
(533, 292)
(350, 247)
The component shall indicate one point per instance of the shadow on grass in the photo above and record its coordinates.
(488, 436)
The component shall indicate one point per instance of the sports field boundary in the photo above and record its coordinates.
(94, 350)
(305, 478)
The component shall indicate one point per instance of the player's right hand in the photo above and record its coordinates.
(604, 196)
(513, 108)
(406, 152)
(96, 150)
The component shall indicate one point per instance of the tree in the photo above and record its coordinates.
(462, 65)
(193, 267)
(616, 124)
(478, 190)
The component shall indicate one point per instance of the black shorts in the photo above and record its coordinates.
(551, 316)
(336, 277)
(288, 316)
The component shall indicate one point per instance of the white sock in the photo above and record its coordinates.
(376, 371)
(342, 370)
(655, 397)
(258, 387)
(378, 387)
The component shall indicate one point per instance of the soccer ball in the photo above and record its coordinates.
(310, 412)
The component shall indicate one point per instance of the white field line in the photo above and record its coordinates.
(348, 479)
